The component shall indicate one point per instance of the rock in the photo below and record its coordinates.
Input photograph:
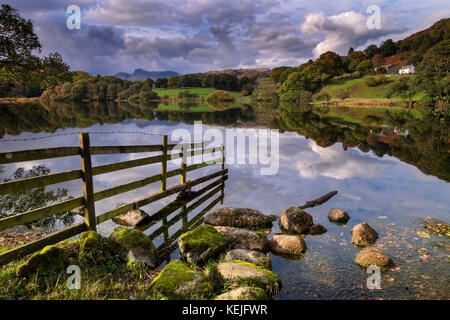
(338, 216)
(256, 257)
(131, 218)
(202, 244)
(244, 239)
(239, 273)
(243, 293)
(437, 226)
(372, 256)
(238, 218)
(363, 235)
(179, 282)
(288, 245)
(317, 229)
(91, 246)
(134, 246)
(295, 220)
(49, 260)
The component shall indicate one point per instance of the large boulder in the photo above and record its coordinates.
(243, 293)
(239, 273)
(49, 260)
(131, 218)
(338, 216)
(238, 218)
(363, 235)
(372, 256)
(291, 246)
(256, 257)
(134, 246)
(202, 244)
(179, 282)
(244, 239)
(316, 229)
(295, 220)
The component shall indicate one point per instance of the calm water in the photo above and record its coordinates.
(390, 172)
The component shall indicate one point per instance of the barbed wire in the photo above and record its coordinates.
(74, 133)
(90, 132)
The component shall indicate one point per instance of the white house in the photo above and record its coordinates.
(406, 69)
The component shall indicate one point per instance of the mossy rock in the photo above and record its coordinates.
(91, 245)
(134, 245)
(372, 256)
(179, 282)
(49, 260)
(243, 293)
(202, 244)
(295, 220)
(239, 218)
(240, 273)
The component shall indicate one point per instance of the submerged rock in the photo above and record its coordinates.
(49, 260)
(338, 216)
(201, 244)
(134, 246)
(238, 218)
(239, 273)
(131, 218)
(179, 282)
(295, 220)
(256, 257)
(317, 229)
(363, 235)
(372, 256)
(287, 245)
(244, 239)
(243, 293)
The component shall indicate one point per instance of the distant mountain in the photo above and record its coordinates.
(140, 74)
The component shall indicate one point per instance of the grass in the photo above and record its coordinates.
(201, 92)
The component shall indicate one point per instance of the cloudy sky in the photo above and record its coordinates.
(199, 35)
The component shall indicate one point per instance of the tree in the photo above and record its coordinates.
(342, 94)
(370, 51)
(275, 73)
(405, 88)
(364, 66)
(388, 48)
(161, 83)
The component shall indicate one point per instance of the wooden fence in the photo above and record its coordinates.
(87, 171)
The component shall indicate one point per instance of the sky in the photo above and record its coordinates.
(189, 36)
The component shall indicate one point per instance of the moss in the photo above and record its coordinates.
(48, 260)
(202, 244)
(273, 285)
(132, 238)
(178, 282)
(91, 245)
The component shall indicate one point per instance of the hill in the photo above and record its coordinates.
(251, 72)
(140, 74)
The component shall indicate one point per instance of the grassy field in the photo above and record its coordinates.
(359, 89)
(202, 92)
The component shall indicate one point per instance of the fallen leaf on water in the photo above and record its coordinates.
(423, 234)
(382, 217)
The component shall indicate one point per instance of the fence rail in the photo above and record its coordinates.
(89, 197)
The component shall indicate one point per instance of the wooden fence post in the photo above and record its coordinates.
(88, 186)
(223, 174)
(164, 164)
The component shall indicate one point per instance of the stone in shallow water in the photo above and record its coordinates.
(243, 293)
(372, 256)
(287, 245)
(240, 273)
(179, 282)
(238, 218)
(131, 218)
(338, 216)
(295, 220)
(201, 244)
(244, 239)
(256, 257)
(363, 235)
(317, 229)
